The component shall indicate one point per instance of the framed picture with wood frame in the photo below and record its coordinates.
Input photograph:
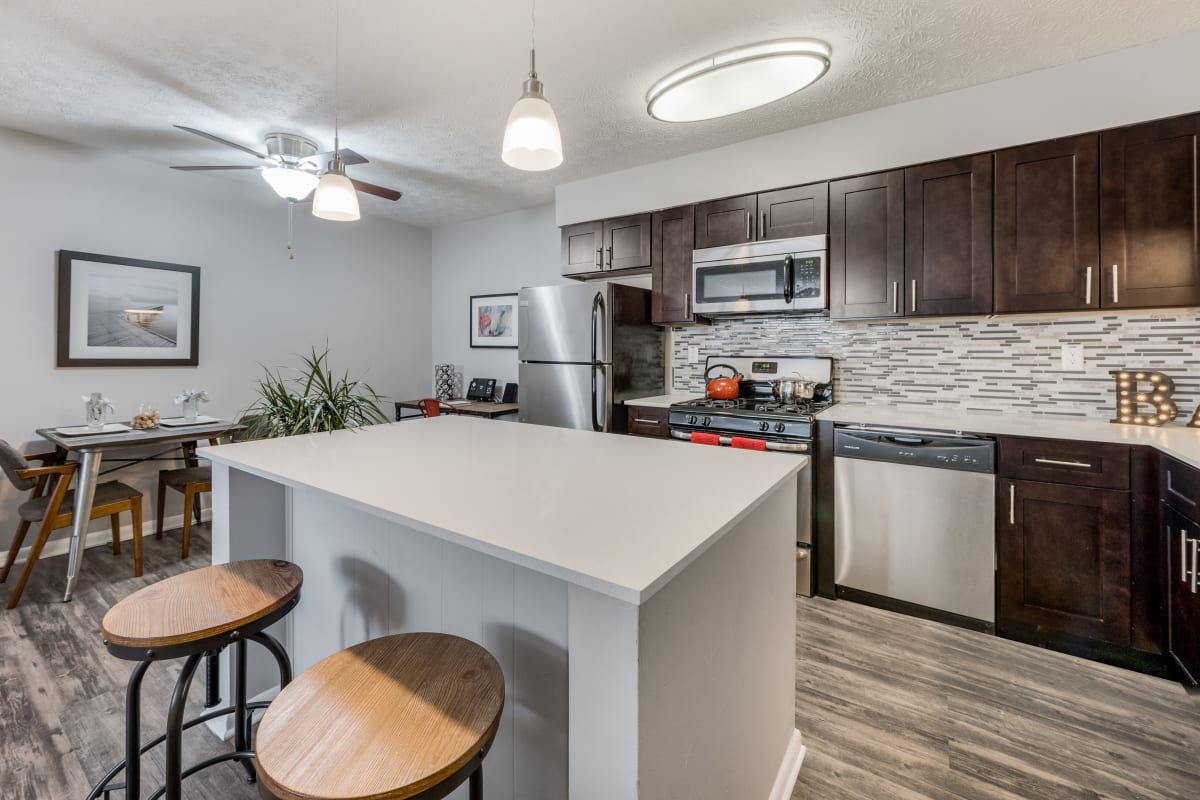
(126, 312)
(494, 320)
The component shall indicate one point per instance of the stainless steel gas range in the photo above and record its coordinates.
(758, 420)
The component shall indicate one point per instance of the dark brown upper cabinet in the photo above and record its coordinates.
(672, 235)
(720, 223)
(1150, 214)
(1047, 231)
(582, 248)
(627, 242)
(948, 237)
(799, 211)
(866, 246)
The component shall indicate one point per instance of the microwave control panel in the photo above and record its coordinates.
(807, 280)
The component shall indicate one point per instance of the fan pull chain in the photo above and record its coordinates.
(290, 250)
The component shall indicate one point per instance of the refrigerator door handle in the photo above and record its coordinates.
(597, 306)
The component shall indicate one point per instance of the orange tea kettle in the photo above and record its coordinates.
(722, 388)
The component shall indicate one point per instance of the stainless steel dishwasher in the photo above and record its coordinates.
(916, 521)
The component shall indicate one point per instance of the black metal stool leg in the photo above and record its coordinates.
(172, 779)
(241, 718)
(133, 732)
(281, 657)
(476, 789)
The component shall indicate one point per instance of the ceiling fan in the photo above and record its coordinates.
(292, 166)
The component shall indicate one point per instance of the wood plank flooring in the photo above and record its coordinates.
(890, 707)
(895, 707)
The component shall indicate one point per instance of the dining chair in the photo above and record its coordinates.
(191, 482)
(432, 407)
(112, 498)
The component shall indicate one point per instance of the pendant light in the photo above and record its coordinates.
(531, 138)
(336, 198)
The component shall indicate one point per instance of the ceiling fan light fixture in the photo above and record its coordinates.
(738, 79)
(336, 198)
(290, 183)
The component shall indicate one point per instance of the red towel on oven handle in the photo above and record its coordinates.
(706, 438)
(742, 443)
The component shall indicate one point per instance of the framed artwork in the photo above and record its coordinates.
(494, 320)
(125, 312)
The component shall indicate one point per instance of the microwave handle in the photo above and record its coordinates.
(789, 278)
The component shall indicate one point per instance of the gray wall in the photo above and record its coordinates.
(363, 286)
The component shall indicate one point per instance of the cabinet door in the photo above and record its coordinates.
(948, 237)
(1063, 562)
(581, 248)
(866, 246)
(799, 211)
(672, 239)
(1150, 199)
(627, 242)
(724, 222)
(1183, 554)
(1047, 226)
(647, 421)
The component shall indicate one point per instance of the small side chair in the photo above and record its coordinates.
(191, 482)
(54, 510)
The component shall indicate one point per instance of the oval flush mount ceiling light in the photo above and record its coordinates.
(737, 80)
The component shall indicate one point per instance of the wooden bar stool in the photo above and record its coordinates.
(398, 718)
(194, 615)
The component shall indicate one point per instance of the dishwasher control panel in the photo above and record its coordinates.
(919, 448)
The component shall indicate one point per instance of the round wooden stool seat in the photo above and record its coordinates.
(200, 607)
(391, 718)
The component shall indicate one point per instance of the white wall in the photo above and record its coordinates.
(493, 255)
(1141, 83)
(363, 286)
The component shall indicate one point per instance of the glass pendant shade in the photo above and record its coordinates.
(290, 184)
(336, 198)
(531, 138)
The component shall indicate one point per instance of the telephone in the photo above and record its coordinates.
(481, 389)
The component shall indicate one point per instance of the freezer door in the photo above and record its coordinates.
(560, 395)
(557, 323)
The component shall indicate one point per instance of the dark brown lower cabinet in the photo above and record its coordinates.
(1183, 578)
(647, 421)
(1063, 556)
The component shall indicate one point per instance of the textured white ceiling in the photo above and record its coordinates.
(426, 87)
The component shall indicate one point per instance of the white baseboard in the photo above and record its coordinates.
(102, 537)
(789, 769)
(222, 727)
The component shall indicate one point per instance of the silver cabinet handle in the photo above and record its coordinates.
(687, 304)
(1172, 490)
(1183, 570)
(1012, 504)
(599, 257)
(762, 232)
(1057, 463)
(1195, 562)
(610, 257)
(1087, 295)
(895, 297)
(1116, 287)
(641, 421)
(914, 294)
(749, 234)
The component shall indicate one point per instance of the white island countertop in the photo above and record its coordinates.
(1176, 440)
(621, 515)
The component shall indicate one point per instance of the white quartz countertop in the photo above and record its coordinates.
(1176, 440)
(664, 400)
(618, 514)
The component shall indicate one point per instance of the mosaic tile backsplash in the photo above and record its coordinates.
(989, 364)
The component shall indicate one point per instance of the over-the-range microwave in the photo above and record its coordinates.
(777, 275)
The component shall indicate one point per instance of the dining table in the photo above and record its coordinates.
(90, 449)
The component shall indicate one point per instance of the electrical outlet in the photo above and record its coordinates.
(1072, 357)
(693, 353)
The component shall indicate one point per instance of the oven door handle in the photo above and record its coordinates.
(789, 278)
(727, 441)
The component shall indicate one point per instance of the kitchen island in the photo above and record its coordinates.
(639, 594)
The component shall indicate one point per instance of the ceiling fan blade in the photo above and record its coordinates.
(219, 140)
(196, 169)
(378, 191)
(349, 158)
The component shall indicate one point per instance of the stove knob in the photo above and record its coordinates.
(691, 419)
(706, 421)
(764, 426)
(780, 427)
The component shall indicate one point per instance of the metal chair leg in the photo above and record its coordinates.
(133, 732)
(173, 775)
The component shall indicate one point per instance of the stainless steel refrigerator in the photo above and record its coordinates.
(586, 348)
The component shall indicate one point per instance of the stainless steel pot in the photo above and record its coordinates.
(789, 390)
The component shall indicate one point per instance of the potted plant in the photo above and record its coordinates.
(314, 400)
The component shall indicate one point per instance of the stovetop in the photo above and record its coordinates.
(757, 407)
